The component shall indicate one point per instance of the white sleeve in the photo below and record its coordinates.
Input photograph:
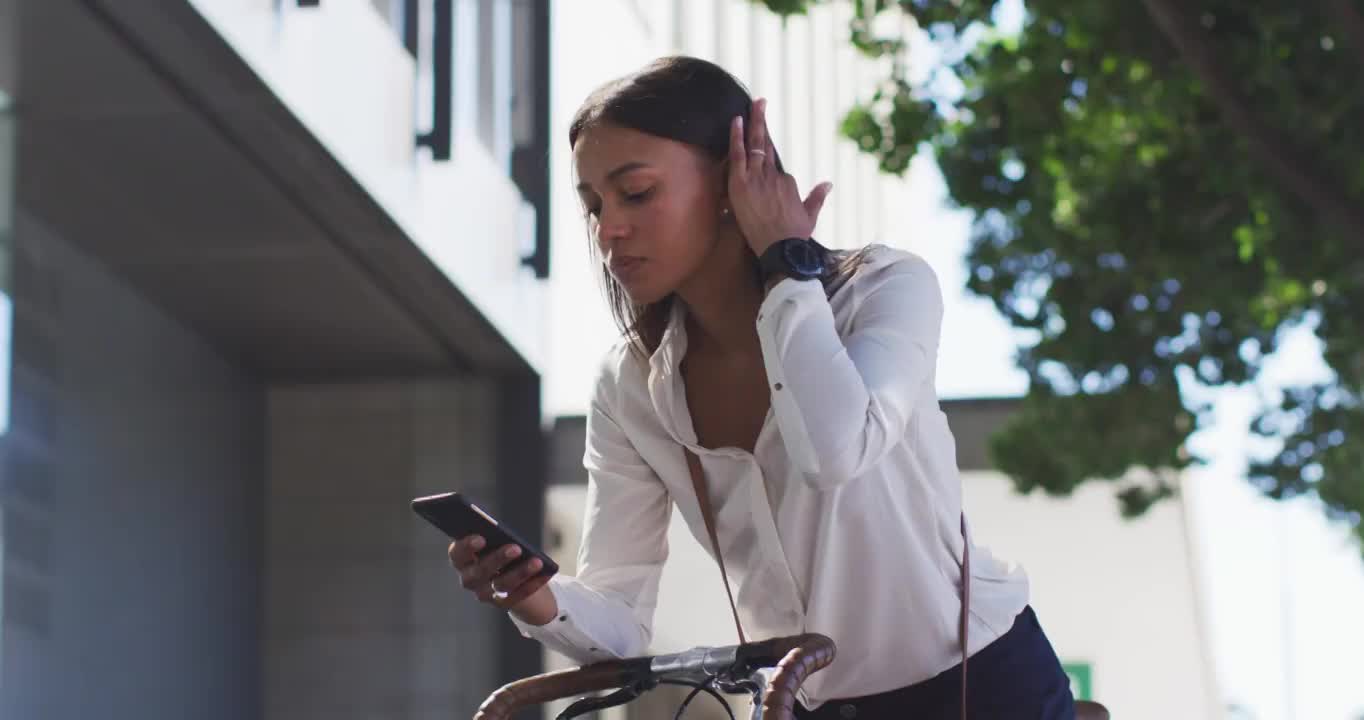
(607, 610)
(843, 403)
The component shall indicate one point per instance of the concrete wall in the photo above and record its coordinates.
(132, 479)
(9, 12)
(7, 151)
(365, 617)
(150, 572)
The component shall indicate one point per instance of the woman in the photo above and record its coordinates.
(803, 380)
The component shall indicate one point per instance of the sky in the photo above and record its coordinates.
(1284, 587)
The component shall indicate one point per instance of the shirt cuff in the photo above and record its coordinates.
(563, 634)
(785, 289)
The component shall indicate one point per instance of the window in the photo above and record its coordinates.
(404, 17)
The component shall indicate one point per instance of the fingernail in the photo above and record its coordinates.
(741, 121)
(477, 543)
(513, 551)
(534, 564)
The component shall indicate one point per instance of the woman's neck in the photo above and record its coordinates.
(722, 300)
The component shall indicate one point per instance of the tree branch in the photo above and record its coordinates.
(1287, 163)
(1351, 25)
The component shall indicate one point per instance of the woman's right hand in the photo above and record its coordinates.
(501, 580)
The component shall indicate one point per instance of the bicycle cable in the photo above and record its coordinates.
(698, 688)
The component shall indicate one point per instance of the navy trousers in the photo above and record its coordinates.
(1016, 677)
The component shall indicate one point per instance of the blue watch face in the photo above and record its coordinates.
(804, 258)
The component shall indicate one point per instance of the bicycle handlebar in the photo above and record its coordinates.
(795, 658)
(799, 657)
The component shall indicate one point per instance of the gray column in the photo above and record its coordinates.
(365, 616)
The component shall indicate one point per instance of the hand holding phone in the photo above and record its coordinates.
(500, 578)
(494, 563)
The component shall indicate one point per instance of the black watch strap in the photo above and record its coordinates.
(795, 257)
(772, 261)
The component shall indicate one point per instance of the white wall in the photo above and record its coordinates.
(341, 68)
(580, 327)
(1285, 588)
(132, 479)
(1125, 597)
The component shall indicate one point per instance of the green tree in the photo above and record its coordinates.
(1160, 190)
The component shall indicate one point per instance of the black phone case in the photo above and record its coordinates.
(458, 517)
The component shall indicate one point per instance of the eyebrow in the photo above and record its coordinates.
(627, 167)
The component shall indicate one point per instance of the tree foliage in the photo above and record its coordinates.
(1160, 191)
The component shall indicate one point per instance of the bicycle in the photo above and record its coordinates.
(732, 669)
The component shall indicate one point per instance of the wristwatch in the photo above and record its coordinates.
(795, 257)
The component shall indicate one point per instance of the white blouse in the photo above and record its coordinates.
(843, 521)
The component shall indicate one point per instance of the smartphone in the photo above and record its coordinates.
(458, 517)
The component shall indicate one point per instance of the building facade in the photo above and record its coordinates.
(277, 267)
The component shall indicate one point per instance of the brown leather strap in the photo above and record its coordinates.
(965, 606)
(698, 481)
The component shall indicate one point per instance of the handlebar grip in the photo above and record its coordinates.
(801, 657)
(513, 696)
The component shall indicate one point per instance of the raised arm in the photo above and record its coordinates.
(842, 403)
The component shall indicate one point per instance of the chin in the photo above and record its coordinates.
(645, 295)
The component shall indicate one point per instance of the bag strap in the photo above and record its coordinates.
(698, 481)
(965, 606)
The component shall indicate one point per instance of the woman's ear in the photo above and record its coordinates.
(722, 182)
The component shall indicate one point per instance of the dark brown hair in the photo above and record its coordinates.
(691, 101)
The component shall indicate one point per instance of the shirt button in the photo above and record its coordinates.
(848, 712)
(777, 386)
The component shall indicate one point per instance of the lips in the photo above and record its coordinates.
(625, 267)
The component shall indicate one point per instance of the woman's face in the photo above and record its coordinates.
(653, 207)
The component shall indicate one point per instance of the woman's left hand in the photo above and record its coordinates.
(765, 200)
